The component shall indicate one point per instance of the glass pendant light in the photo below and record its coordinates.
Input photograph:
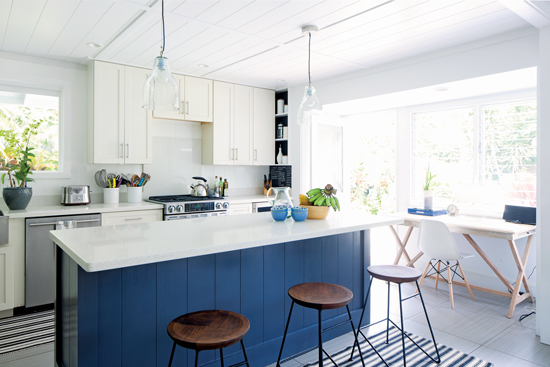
(310, 104)
(160, 92)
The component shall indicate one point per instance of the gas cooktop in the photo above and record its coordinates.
(182, 198)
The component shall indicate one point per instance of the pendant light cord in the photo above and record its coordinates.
(309, 60)
(163, 35)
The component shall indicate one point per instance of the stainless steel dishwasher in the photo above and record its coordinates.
(40, 255)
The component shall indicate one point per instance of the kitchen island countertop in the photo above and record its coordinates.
(113, 247)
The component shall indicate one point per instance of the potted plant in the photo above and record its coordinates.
(428, 193)
(15, 158)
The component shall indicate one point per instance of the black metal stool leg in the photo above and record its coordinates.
(221, 356)
(388, 317)
(429, 325)
(284, 336)
(402, 329)
(196, 358)
(172, 354)
(355, 336)
(320, 342)
(244, 352)
(361, 320)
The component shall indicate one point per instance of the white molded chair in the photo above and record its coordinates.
(436, 241)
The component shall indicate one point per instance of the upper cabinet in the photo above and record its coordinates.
(264, 110)
(195, 100)
(120, 129)
(241, 133)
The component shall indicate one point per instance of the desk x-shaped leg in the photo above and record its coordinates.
(402, 251)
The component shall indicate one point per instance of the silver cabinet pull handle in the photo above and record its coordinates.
(130, 219)
(255, 154)
(128, 150)
(237, 154)
(187, 104)
(54, 223)
(182, 110)
(121, 150)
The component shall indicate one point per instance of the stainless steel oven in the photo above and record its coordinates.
(178, 207)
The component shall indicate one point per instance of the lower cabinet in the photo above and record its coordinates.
(140, 216)
(6, 278)
(240, 208)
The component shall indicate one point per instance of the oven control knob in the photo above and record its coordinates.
(171, 209)
(218, 206)
(179, 209)
(226, 205)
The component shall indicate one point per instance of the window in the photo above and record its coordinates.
(18, 110)
(483, 156)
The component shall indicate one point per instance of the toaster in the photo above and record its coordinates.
(75, 195)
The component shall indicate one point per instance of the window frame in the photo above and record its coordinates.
(405, 151)
(64, 164)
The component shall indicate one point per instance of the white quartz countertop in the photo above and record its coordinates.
(59, 210)
(113, 247)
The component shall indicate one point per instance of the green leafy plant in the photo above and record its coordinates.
(16, 155)
(430, 182)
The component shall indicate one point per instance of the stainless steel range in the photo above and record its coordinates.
(186, 206)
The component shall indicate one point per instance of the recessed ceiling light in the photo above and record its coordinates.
(441, 89)
(95, 45)
(204, 65)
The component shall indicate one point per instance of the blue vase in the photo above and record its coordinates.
(17, 198)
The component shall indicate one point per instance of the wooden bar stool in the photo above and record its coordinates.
(399, 275)
(319, 296)
(209, 330)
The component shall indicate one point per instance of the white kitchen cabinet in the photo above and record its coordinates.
(245, 208)
(140, 216)
(6, 278)
(195, 100)
(119, 128)
(229, 139)
(264, 120)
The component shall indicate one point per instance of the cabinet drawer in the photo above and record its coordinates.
(240, 209)
(142, 216)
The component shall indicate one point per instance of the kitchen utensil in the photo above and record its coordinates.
(282, 197)
(98, 179)
(75, 195)
(103, 178)
(200, 189)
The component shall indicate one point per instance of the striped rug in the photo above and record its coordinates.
(27, 331)
(393, 355)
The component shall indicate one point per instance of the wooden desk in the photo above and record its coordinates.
(494, 228)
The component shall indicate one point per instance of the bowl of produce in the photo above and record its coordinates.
(319, 201)
(299, 214)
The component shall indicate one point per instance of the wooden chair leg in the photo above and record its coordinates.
(437, 275)
(465, 280)
(450, 281)
(423, 276)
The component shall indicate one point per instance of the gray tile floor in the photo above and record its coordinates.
(478, 327)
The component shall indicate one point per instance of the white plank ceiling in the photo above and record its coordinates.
(253, 42)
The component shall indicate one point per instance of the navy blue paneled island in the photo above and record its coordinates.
(118, 287)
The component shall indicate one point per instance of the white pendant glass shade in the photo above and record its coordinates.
(160, 92)
(309, 106)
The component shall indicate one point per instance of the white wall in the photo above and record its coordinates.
(176, 144)
(512, 51)
(543, 196)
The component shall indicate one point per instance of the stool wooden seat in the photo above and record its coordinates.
(208, 330)
(394, 273)
(320, 296)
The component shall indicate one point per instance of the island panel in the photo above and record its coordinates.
(122, 314)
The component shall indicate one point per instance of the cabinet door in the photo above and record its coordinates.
(140, 216)
(173, 115)
(222, 126)
(138, 139)
(108, 117)
(198, 99)
(6, 278)
(264, 127)
(243, 132)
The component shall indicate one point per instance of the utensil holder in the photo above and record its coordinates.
(111, 195)
(135, 194)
